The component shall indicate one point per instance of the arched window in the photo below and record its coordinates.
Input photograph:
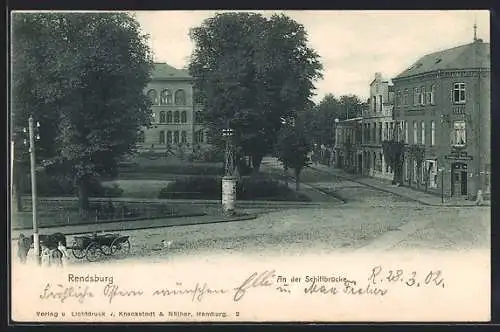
(169, 117)
(169, 137)
(176, 117)
(183, 137)
(162, 137)
(153, 96)
(180, 97)
(183, 117)
(176, 137)
(166, 97)
(162, 117)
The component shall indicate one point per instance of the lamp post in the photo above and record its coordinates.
(36, 241)
(441, 170)
(228, 181)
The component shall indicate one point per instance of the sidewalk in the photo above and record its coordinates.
(135, 224)
(405, 192)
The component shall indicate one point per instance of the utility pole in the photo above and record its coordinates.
(36, 241)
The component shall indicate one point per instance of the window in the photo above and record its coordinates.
(406, 131)
(432, 94)
(416, 96)
(433, 133)
(380, 103)
(415, 169)
(391, 129)
(459, 93)
(406, 97)
(162, 117)
(415, 132)
(380, 162)
(431, 170)
(176, 116)
(387, 134)
(169, 137)
(200, 136)
(153, 96)
(176, 137)
(374, 160)
(380, 131)
(374, 103)
(166, 97)
(180, 97)
(422, 124)
(459, 134)
(398, 98)
(183, 137)
(422, 95)
(162, 137)
(169, 117)
(183, 117)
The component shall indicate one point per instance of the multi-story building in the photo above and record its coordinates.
(347, 150)
(442, 106)
(378, 125)
(176, 119)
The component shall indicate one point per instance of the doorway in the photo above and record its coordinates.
(459, 179)
(360, 164)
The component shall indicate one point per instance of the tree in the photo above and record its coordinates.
(394, 156)
(322, 117)
(292, 149)
(249, 71)
(82, 75)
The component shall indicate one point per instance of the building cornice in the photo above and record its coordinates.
(444, 73)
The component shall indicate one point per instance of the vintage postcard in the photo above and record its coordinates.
(250, 166)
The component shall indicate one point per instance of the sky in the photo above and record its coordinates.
(353, 45)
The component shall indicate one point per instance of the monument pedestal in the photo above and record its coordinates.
(228, 194)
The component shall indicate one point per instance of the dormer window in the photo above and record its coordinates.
(438, 60)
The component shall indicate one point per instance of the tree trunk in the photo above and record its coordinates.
(256, 161)
(285, 171)
(83, 197)
(297, 179)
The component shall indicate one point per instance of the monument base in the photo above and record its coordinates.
(228, 194)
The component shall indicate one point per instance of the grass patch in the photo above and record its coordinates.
(184, 168)
(247, 188)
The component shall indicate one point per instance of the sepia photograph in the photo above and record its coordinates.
(249, 166)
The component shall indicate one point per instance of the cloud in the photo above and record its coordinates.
(353, 45)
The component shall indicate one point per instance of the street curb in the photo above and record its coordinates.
(104, 222)
(215, 221)
(398, 194)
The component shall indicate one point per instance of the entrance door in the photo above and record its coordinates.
(360, 164)
(459, 179)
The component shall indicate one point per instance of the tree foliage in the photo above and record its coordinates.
(249, 72)
(394, 155)
(82, 76)
(323, 115)
(292, 149)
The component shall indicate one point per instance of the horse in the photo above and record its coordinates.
(51, 242)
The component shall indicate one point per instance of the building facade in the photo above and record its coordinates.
(176, 119)
(442, 108)
(347, 150)
(378, 126)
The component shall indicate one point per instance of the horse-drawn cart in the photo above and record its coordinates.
(94, 246)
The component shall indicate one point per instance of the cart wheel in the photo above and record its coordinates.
(93, 252)
(107, 250)
(120, 247)
(78, 253)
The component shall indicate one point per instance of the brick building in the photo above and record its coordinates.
(442, 106)
(377, 125)
(176, 120)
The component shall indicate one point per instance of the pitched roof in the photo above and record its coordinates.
(459, 57)
(165, 71)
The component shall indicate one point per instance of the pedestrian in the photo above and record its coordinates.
(64, 253)
(45, 256)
